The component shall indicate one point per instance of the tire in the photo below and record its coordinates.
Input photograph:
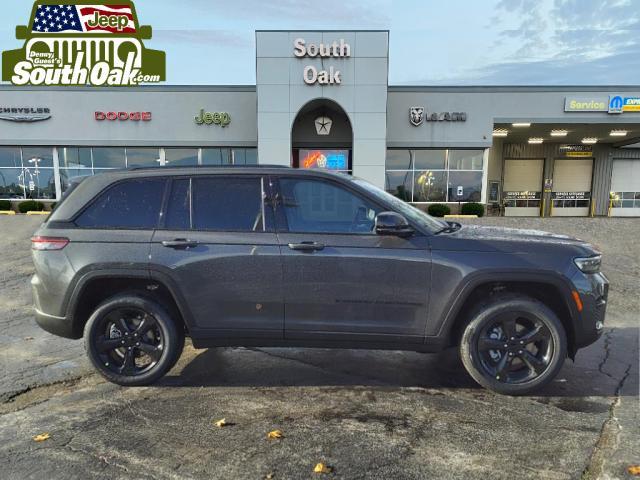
(148, 333)
(522, 367)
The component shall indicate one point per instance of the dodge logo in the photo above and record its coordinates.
(123, 116)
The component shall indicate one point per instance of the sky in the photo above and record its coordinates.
(444, 42)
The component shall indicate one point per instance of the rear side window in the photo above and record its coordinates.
(131, 204)
(228, 204)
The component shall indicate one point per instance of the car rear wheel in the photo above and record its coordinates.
(132, 340)
(513, 345)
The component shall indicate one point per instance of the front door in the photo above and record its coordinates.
(341, 280)
(217, 243)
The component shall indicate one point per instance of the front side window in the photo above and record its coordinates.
(130, 204)
(223, 203)
(318, 206)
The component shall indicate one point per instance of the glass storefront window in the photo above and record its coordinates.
(109, 157)
(39, 183)
(11, 184)
(66, 174)
(435, 175)
(245, 156)
(143, 157)
(33, 158)
(181, 156)
(398, 159)
(430, 186)
(10, 157)
(429, 159)
(471, 183)
(466, 159)
(74, 157)
(216, 156)
(400, 184)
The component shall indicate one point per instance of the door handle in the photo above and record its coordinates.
(306, 246)
(179, 243)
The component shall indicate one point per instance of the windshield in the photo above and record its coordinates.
(411, 213)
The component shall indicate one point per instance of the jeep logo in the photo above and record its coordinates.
(216, 118)
(120, 22)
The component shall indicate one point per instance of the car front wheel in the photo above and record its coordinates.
(132, 340)
(513, 345)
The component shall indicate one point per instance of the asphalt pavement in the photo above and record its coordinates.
(364, 414)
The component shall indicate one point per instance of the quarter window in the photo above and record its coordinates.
(317, 206)
(132, 204)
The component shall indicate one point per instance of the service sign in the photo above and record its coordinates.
(522, 195)
(576, 151)
(83, 43)
(571, 195)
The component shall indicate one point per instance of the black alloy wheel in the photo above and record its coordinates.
(513, 344)
(132, 340)
(129, 341)
(515, 347)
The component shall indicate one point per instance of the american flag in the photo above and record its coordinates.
(75, 18)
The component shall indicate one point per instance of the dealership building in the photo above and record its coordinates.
(322, 100)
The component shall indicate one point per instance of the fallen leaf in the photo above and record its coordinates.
(634, 469)
(42, 437)
(221, 423)
(269, 476)
(322, 468)
(275, 434)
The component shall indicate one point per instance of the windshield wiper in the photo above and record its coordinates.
(450, 228)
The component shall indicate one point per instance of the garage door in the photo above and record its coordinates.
(522, 188)
(625, 185)
(571, 192)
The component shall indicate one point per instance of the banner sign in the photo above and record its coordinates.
(522, 195)
(571, 195)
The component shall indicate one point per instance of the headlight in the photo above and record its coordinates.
(589, 264)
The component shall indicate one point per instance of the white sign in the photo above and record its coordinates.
(311, 75)
(460, 191)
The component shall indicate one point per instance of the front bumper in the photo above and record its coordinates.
(594, 293)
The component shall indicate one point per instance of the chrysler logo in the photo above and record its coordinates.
(24, 114)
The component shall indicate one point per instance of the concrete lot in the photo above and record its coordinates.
(366, 414)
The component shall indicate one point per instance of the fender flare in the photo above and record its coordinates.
(71, 302)
(476, 279)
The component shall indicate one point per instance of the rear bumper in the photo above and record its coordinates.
(60, 326)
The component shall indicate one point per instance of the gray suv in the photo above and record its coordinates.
(135, 260)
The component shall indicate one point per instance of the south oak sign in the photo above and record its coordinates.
(83, 43)
(311, 75)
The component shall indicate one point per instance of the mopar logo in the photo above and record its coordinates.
(615, 104)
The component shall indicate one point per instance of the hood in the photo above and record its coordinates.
(489, 238)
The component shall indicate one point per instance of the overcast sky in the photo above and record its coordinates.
(443, 42)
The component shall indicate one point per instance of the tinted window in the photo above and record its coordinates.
(228, 204)
(128, 204)
(178, 208)
(323, 207)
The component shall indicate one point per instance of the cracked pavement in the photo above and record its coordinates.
(367, 414)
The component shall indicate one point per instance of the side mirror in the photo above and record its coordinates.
(392, 223)
(146, 32)
(21, 32)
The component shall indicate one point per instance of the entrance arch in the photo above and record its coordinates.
(322, 137)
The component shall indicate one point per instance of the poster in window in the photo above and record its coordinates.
(328, 159)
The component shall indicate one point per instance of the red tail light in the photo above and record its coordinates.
(48, 243)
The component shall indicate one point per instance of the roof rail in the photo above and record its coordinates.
(158, 167)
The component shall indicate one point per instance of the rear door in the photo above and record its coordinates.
(341, 280)
(217, 243)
